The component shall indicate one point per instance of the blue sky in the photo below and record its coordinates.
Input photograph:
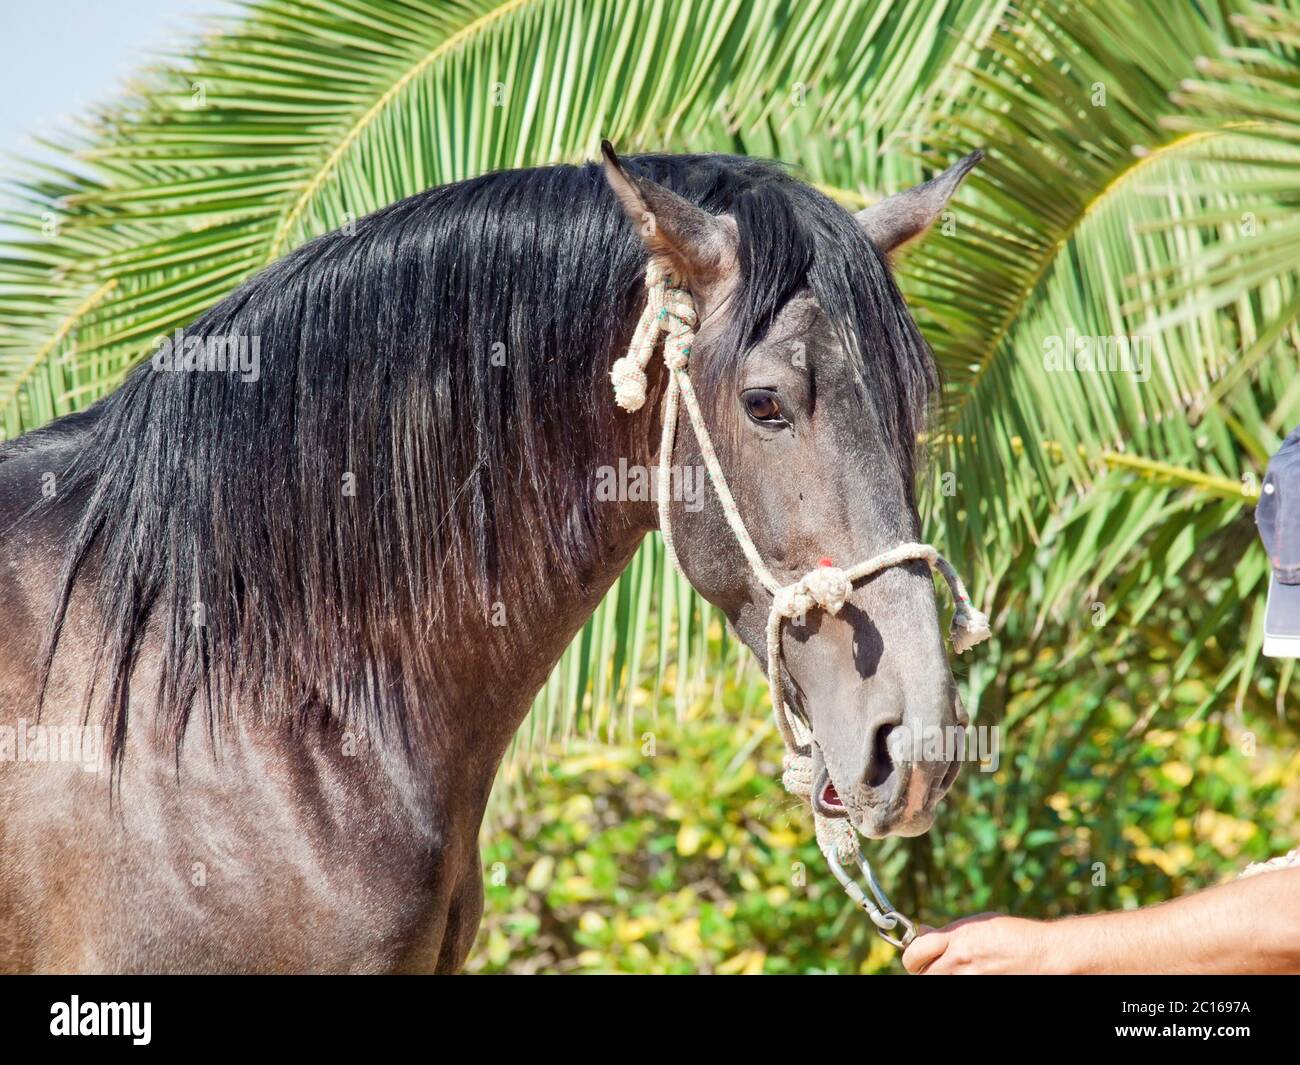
(59, 56)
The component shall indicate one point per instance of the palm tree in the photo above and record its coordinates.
(1140, 187)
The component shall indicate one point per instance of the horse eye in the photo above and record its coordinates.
(761, 405)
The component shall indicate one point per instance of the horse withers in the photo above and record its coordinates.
(293, 617)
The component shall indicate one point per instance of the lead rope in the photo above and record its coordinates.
(670, 314)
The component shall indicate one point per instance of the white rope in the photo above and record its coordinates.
(1286, 861)
(670, 312)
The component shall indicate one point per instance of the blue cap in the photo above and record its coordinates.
(1278, 518)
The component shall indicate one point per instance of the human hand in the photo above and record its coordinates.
(986, 943)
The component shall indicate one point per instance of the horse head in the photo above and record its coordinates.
(815, 382)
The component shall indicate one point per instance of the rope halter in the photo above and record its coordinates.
(670, 314)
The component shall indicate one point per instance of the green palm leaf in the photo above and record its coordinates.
(306, 114)
(1115, 217)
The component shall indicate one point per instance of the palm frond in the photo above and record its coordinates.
(1125, 141)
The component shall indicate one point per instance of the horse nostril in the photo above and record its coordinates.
(882, 763)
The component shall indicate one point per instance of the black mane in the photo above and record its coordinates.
(451, 354)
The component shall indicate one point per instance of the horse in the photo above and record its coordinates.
(297, 605)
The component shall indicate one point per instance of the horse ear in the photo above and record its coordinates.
(906, 215)
(697, 245)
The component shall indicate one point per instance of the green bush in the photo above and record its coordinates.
(679, 852)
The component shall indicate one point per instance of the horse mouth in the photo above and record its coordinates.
(825, 799)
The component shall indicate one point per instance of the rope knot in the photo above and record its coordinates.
(629, 383)
(830, 587)
(676, 353)
(792, 601)
(827, 587)
(669, 310)
(969, 627)
(797, 773)
(680, 308)
(656, 273)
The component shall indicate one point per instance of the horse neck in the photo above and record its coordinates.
(500, 662)
(499, 658)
